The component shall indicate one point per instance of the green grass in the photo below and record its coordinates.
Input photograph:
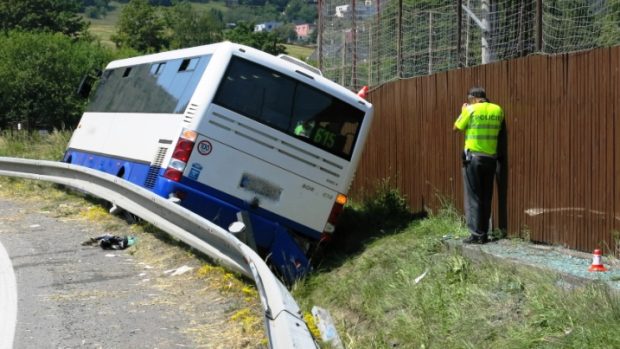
(34, 145)
(371, 292)
(221, 6)
(103, 28)
(299, 52)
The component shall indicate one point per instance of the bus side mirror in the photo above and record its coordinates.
(86, 85)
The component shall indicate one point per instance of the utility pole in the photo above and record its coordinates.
(484, 12)
(485, 27)
(467, 28)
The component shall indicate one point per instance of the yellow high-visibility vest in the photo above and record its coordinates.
(481, 123)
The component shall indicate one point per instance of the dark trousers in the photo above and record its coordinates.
(478, 175)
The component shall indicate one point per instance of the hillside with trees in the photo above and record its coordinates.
(48, 47)
(285, 12)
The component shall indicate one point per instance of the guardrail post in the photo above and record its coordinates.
(246, 235)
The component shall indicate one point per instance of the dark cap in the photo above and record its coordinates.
(477, 92)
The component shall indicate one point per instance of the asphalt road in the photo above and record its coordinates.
(74, 296)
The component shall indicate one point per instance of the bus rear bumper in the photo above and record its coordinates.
(273, 238)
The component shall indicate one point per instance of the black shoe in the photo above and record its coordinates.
(478, 240)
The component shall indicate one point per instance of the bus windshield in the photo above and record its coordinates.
(290, 106)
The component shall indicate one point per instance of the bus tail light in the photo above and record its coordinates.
(330, 226)
(181, 155)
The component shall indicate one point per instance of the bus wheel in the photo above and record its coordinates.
(118, 211)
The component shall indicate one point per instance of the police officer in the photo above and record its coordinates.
(481, 121)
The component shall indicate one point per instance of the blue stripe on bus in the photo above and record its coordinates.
(199, 193)
(214, 205)
(131, 171)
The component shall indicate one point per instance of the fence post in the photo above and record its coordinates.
(379, 42)
(539, 37)
(343, 58)
(430, 42)
(485, 37)
(459, 35)
(369, 83)
(320, 34)
(399, 38)
(354, 42)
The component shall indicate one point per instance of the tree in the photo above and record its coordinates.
(95, 8)
(243, 34)
(191, 28)
(609, 24)
(568, 26)
(140, 27)
(248, 14)
(299, 10)
(286, 32)
(42, 15)
(102, 4)
(40, 73)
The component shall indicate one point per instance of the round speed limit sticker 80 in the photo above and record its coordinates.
(205, 147)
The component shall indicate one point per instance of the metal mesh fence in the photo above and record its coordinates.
(370, 42)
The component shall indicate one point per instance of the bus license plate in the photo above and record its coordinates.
(260, 186)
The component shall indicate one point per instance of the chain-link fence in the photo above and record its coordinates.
(369, 42)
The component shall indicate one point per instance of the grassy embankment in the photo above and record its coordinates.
(371, 282)
(244, 327)
(103, 28)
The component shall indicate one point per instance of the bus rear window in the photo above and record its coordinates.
(290, 106)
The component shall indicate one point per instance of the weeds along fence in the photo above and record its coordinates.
(563, 125)
(370, 42)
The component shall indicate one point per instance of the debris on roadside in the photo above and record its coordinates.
(111, 242)
(419, 278)
(326, 326)
(178, 271)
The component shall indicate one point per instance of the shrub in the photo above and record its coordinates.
(40, 73)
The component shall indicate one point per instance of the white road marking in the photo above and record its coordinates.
(8, 300)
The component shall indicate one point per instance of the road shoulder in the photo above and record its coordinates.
(82, 296)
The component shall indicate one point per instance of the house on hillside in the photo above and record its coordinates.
(304, 30)
(362, 10)
(266, 26)
(342, 10)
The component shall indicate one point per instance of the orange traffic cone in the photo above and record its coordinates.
(597, 265)
(363, 92)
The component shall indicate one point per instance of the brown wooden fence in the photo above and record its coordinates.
(563, 122)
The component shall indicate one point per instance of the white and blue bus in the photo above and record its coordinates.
(225, 128)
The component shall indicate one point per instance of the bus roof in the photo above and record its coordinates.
(294, 70)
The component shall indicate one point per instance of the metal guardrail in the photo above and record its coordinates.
(283, 320)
